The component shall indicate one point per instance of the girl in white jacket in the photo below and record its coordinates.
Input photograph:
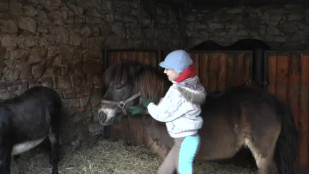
(180, 109)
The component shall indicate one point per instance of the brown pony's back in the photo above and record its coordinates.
(249, 117)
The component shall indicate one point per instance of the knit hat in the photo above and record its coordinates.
(177, 60)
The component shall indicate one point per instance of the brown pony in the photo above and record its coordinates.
(240, 117)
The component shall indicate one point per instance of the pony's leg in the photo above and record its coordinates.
(264, 157)
(261, 132)
(54, 150)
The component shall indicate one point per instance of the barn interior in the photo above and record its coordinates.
(65, 45)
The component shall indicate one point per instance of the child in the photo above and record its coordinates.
(180, 110)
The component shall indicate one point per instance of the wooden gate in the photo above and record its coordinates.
(288, 79)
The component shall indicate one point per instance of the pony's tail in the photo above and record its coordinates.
(287, 148)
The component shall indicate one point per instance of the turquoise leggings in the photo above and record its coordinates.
(181, 156)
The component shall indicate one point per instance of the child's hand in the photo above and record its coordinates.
(137, 110)
(148, 101)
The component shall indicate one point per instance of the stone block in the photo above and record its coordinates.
(64, 82)
(10, 74)
(84, 101)
(30, 11)
(66, 53)
(75, 38)
(38, 70)
(27, 24)
(19, 56)
(71, 103)
(27, 41)
(60, 34)
(43, 19)
(96, 97)
(8, 26)
(69, 93)
(9, 41)
(26, 73)
(37, 55)
(85, 31)
(92, 67)
(76, 81)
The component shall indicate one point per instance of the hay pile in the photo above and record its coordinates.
(111, 157)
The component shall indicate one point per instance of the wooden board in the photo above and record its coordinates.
(288, 78)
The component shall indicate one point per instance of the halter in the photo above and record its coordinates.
(122, 104)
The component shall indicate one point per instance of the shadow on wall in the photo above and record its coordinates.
(244, 44)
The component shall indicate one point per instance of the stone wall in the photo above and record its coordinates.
(281, 27)
(60, 43)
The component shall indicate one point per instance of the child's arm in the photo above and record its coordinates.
(169, 108)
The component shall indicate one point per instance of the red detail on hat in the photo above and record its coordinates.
(187, 73)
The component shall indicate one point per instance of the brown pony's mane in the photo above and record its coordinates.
(145, 78)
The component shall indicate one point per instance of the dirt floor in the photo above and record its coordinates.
(110, 157)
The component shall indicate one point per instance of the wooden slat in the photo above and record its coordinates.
(111, 59)
(196, 63)
(272, 75)
(213, 72)
(247, 67)
(294, 86)
(203, 71)
(282, 78)
(132, 55)
(154, 60)
(238, 62)
(147, 57)
(222, 72)
(304, 109)
(229, 71)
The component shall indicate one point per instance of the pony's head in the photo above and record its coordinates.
(128, 84)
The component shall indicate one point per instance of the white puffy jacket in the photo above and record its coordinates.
(180, 108)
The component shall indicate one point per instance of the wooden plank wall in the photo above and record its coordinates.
(288, 78)
(219, 70)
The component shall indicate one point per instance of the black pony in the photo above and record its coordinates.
(240, 117)
(25, 121)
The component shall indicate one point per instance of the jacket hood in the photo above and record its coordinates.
(192, 90)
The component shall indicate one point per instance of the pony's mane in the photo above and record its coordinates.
(145, 78)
